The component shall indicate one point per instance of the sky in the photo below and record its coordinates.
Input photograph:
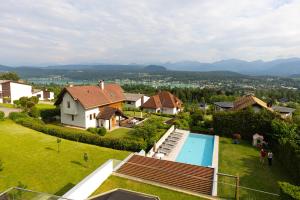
(147, 31)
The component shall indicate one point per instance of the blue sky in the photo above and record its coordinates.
(146, 31)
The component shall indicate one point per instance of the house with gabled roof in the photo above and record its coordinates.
(133, 100)
(91, 106)
(250, 101)
(163, 102)
(13, 90)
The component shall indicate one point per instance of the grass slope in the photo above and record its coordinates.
(243, 159)
(32, 158)
(164, 194)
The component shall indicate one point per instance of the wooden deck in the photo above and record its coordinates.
(180, 175)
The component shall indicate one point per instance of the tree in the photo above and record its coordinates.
(9, 76)
(58, 141)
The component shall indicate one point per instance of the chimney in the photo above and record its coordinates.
(101, 84)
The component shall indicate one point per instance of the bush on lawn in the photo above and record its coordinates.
(100, 131)
(289, 191)
(2, 115)
(77, 135)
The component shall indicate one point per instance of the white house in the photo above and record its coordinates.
(43, 95)
(164, 102)
(12, 90)
(134, 100)
(91, 106)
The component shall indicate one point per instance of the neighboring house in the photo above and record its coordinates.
(134, 100)
(91, 106)
(250, 101)
(43, 95)
(221, 106)
(13, 90)
(285, 112)
(203, 106)
(164, 102)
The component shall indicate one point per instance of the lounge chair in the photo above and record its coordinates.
(170, 143)
(166, 147)
(172, 139)
(166, 152)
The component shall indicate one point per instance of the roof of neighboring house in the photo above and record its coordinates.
(247, 101)
(225, 104)
(175, 174)
(132, 96)
(108, 112)
(93, 96)
(282, 109)
(163, 99)
(10, 81)
(36, 90)
(121, 194)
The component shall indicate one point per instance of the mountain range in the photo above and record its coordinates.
(280, 67)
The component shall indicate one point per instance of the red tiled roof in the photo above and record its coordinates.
(93, 96)
(163, 99)
(180, 175)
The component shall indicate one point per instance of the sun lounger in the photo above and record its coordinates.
(170, 143)
(166, 147)
(177, 133)
(164, 151)
(172, 139)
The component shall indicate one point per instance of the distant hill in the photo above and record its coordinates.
(279, 67)
(154, 68)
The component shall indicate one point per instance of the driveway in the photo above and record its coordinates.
(9, 110)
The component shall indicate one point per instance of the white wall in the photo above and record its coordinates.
(94, 122)
(87, 186)
(40, 93)
(18, 90)
(1, 98)
(51, 96)
(171, 111)
(75, 109)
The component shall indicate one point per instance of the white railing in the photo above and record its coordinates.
(161, 140)
(89, 184)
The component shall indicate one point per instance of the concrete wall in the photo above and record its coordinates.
(215, 165)
(88, 185)
(161, 140)
(18, 90)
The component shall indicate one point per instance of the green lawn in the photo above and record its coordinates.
(243, 159)
(7, 105)
(32, 158)
(43, 106)
(164, 194)
(119, 133)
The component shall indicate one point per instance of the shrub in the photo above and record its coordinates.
(34, 112)
(2, 115)
(289, 191)
(76, 134)
(49, 115)
(100, 131)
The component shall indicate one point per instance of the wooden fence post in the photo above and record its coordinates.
(237, 192)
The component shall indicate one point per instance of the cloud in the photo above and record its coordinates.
(125, 31)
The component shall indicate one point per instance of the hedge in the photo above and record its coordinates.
(289, 191)
(2, 115)
(288, 153)
(77, 135)
(49, 114)
(245, 122)
(100, 131)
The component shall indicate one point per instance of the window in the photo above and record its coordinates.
(72, 117)
(68, 104)
(94, 115)
(91, 117)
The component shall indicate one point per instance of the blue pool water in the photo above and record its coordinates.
(197, 150)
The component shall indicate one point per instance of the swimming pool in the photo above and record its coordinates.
(197, 150)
